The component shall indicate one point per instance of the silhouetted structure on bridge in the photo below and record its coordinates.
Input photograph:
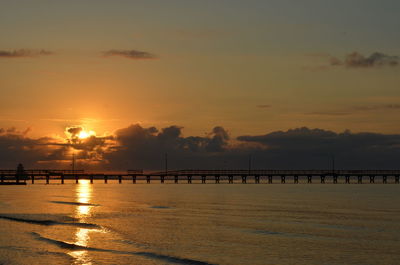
(19, 177)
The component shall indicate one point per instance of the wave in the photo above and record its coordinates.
(48, 222)
(71, 246)
(75, 203)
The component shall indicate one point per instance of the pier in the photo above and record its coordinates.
(207, 176)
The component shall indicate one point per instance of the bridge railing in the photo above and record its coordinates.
(274, 172)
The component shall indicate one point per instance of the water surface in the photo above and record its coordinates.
(199, 224)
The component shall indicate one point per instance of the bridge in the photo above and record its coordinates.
(267, 176)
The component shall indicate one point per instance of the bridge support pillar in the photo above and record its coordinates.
(203, 179)
(322, 179)
(105, 179)
(283, 179)
(257, 179)
(296, 179)
(62, 178)
(384, 179)
(217, 179)
(176, 179)
(270, 179)
(47, 179)
(371, 179)
(359, 179)
(133, 179)
(397, 179)
(244, 179)
(33, 179)
(309, 179)
(148, 179)
(230, 179)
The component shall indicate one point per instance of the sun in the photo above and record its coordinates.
(85, 134)
(78, 132)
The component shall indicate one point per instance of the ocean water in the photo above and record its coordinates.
(199, 224)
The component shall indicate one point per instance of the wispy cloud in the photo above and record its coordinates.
(130, 54)
(21, 53)
(358, 60)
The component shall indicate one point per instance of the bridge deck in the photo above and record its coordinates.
(268, 175)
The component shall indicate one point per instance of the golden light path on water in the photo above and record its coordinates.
(83, 194)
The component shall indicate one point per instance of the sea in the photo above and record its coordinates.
(199, 223)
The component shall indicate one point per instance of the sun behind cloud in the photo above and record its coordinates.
(86, 134)
(79, 132)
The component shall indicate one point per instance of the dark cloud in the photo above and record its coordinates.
(357, 60)
(313, 148)
(74, 131)
(218, 140)
(23, 53)
(16, 147)
(14, 131)
(137, 147)
(92, 148)
(130, 54)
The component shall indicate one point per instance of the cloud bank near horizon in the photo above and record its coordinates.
(137, 147)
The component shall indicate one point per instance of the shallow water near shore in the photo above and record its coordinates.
(199, 224)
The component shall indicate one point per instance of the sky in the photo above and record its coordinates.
(209, 82)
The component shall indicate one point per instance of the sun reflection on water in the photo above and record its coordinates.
(83, 194)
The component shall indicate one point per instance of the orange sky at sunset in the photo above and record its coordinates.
(195, 66)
